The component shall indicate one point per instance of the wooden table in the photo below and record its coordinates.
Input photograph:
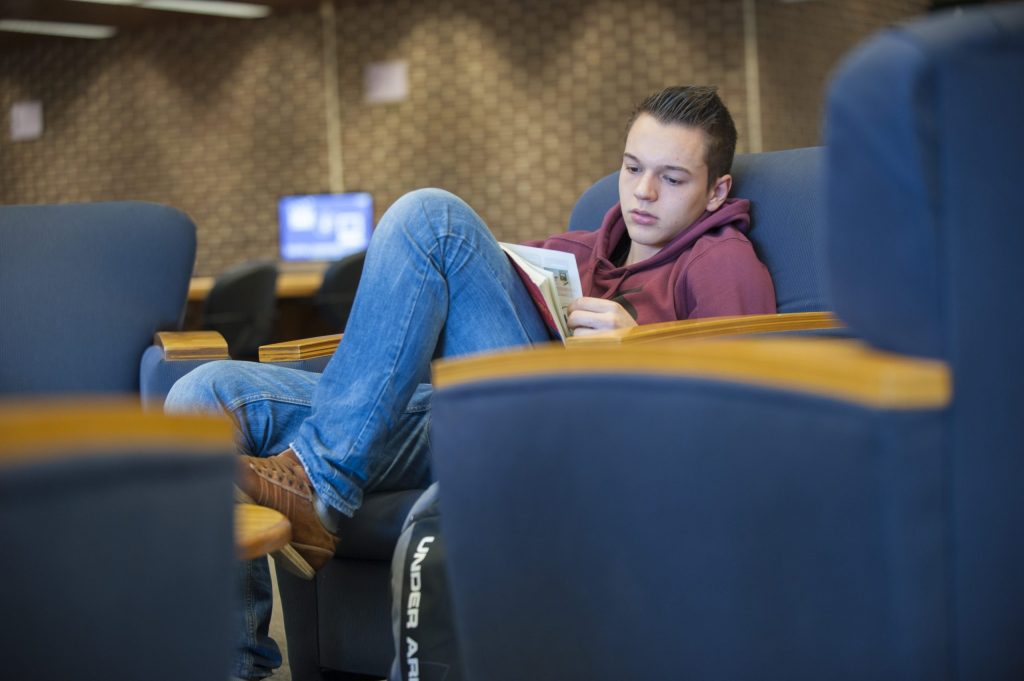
(299, 284)
(259, 531)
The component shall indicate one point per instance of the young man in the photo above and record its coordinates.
(436, 283)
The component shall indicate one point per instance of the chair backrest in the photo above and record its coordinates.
(118, 540)
(241, 307)
(334, 299)
(924, 142)
(84, 288)
(787, 212)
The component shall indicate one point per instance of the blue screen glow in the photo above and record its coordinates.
(324, 226)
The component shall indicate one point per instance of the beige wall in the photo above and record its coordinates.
(798, 44)
(515, 105)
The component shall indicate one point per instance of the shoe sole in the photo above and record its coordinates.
(286, 556)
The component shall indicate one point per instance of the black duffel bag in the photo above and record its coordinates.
(426, 648)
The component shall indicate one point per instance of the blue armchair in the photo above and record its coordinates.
(118, 557)
(797, 508)
(341, 621)
(84, 289)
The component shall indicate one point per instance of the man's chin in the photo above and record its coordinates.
(640, 233)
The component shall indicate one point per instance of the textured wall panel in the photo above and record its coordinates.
(516, 105)
(519, 106)
(799, 43)
(216, 119)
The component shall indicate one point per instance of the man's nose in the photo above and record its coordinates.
(645, 189)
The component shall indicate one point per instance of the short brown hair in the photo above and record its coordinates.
(695, 106)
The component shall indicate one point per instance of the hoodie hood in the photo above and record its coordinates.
(734, 213)
(607, 278)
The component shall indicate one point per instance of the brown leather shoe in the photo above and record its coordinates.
(280, 482)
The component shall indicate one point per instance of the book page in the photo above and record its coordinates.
(560, 264)
(544, 282)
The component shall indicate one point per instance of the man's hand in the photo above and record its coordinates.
(590, 315)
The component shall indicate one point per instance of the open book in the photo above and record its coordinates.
(553, 280)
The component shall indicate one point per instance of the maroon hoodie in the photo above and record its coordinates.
(708, 270)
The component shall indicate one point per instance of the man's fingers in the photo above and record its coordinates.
(588, 304)
(591, 320)
(584, 331)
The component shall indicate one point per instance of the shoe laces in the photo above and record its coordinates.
(280, 469)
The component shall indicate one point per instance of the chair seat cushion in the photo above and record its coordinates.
(373, 532)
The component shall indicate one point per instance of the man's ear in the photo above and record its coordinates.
(719, 192)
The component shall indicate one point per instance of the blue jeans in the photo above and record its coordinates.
(435, 284)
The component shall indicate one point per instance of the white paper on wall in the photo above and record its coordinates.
(26, 120)
(386, 81)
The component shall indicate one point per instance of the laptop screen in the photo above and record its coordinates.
(324, 226)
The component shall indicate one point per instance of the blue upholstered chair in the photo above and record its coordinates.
(799, 508)
(118, 557)
(84, 288)
(237, 317)
(341, 620)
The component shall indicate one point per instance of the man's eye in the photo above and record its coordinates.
(673, 181)
(632, 169)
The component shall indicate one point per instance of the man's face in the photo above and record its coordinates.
(663, 183)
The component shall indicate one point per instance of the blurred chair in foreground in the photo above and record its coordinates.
(84, 288)
(333, 301)
(240, 307)
(787, 507)
(118, 558)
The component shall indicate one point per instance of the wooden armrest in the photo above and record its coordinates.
(191, 345)
(259, 530)
(834, 368)
(304, 348)
(69, 427)
(710, 327)
(319, 346)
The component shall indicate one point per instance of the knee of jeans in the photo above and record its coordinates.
(422, 207)
(198, 390)
(428, 197)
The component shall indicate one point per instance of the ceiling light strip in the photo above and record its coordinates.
(111, 2)
(57, 28)
(238, 10)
